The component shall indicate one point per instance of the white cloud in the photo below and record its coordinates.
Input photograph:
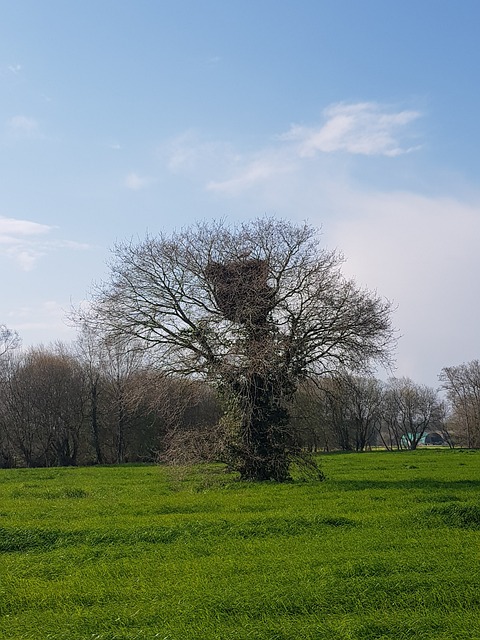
(364, 128)
(16, 238)
(422, 253)
(11, 227)
(24, 242)
(136, 182)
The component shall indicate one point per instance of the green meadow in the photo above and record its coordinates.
(387, 547)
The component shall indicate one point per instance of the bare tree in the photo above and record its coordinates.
(9, 340)
(410, 411)
(311, 416)
(117, 363)
(462, 384)
(335, 392)
(88, 350)
(254, 309)
(9, 344)
(44, 407)
(347, 408)
(363, 398)
(110, 368)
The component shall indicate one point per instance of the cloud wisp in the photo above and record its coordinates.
(260, 169)
(24, 242)
(21, 126)
(19, 241)
(12, 228)
(136, 182)
(364, 128)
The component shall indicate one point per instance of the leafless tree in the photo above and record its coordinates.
(88, 350)
(9, 340)
(311, 417)
(9, 344)
(345, 411)
(410, 411)
(363, 399)
(44, 407)
(136, 411)
(113, 375)
(254, 309)
(110, 369)
(462, 385)
(162, 417)
(187, 415)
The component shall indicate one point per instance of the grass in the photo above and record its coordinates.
(388, 547)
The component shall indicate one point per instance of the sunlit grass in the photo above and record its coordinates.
(388, 547)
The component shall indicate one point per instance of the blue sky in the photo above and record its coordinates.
(127, 116)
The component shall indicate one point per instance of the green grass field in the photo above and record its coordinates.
(387, 547)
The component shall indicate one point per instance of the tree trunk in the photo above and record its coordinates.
(94, 422)
(265, 442)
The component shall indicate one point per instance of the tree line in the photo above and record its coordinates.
(94, 403)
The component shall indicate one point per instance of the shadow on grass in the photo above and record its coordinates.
(37, 539)
(457, 516)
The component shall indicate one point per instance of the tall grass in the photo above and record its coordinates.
(387, 547)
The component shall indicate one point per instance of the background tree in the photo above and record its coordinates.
(136, 412)
(310, 415)
(27, 442)
(121, 362)
(254, 309)
(462, 385)
(186, 414)
(88, 349)
(9, 340)
(410, 411)
(9, 344)
(340, 412)
(113, 373)
(44, 407)
(359, 401)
